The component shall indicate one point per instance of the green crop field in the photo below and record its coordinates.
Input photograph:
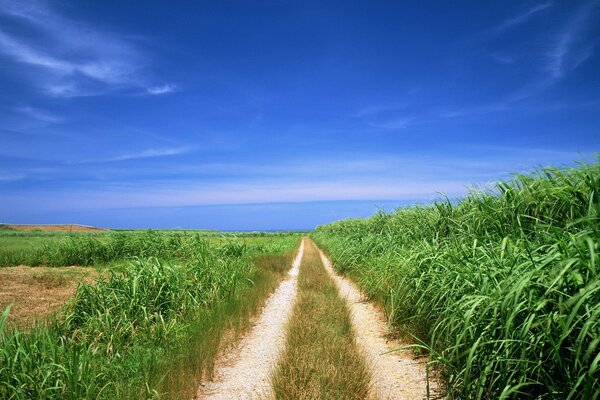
(22, 243)
(501, 288)
(62, 248)
(499, 292)
(128, 334)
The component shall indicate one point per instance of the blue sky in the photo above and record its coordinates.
(276, 114)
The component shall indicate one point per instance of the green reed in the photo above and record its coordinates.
(502, 287)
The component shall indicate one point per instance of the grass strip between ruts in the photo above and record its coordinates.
(321, 360)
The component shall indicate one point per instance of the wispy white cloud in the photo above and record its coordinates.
(522, 101)
(569, 50)
(7, 176)
(391, 116)
(566, 50)
(163, 89)
(22, 119)
(572, 46)
(74, 59)
(233, 193)
(393, 124)
(504, 58)
(38, 114)
(522, 17)
(152, 153)
(378, 109)
(343, 177)
(148, 153)
(482, 163)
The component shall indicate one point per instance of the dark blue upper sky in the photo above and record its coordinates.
(277, 114)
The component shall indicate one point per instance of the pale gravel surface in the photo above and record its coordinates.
(395, 376)
(245, 371)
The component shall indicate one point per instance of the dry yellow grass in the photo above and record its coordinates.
(321, 360)
(36, 293)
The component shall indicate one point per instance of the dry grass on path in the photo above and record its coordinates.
(243, 369)
(321, 360)
(396, 374)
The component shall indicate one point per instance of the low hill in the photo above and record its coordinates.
(55, 228)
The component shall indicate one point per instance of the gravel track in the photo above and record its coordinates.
(244, 372)
(395, 376)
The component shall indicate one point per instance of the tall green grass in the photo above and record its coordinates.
(87, 249)
(503, 287)
(122, 336)
(178, 376)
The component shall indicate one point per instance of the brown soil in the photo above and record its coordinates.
(56, 228)
(36, 293)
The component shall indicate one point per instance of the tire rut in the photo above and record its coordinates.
(244, 372)
(396, 375)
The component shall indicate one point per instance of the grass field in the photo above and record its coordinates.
(127, 335)
(501, 288)
(27, 243)
(36, 248)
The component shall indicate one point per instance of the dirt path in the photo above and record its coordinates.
(396, 376)
(245, 371)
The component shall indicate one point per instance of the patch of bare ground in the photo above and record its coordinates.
(396, 375)
(37, 292)
(243, 371)
(56, 228)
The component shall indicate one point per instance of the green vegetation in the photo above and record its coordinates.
(56, 249)
(152, 323)
(320, 360)
(503, 287)
(26, 243)
(195, 357)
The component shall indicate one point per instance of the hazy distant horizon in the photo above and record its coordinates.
(266, 216)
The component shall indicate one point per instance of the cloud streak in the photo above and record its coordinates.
(75, 59)
(378, 109)
(39, 115)
(347, 177)
(393, 124)
(7, 176)
(144, 154)
(163, 89)
(521, 18)
(564, 52)
(569, 50)
(236, 193)
(151, 153)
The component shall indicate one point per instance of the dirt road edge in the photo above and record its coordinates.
(395, 376)
(245, 371)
